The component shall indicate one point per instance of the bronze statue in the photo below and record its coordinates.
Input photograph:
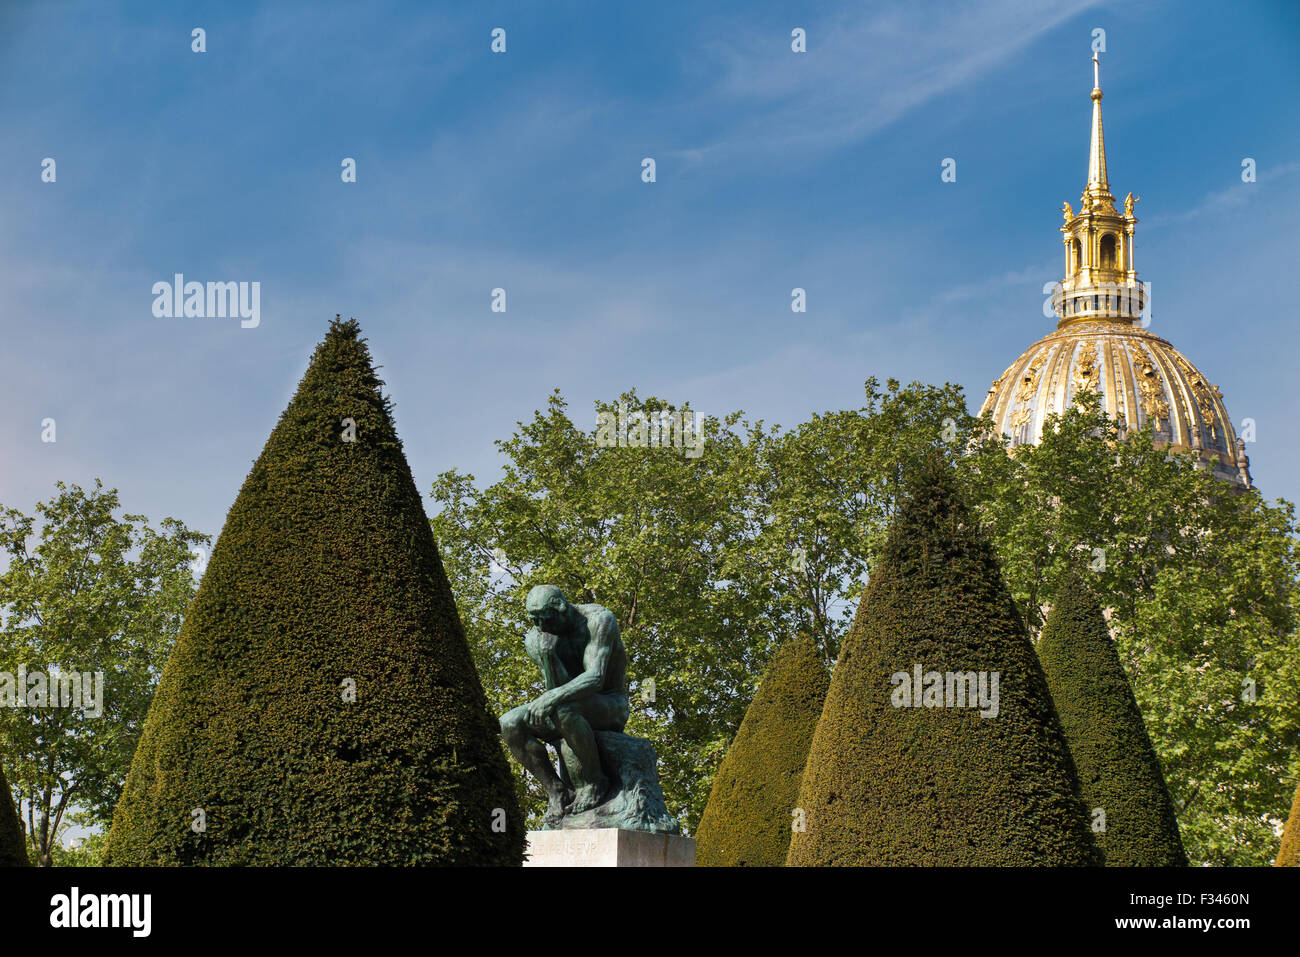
(583, 663)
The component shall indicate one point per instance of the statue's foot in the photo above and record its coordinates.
(556, 804)
(589, 796)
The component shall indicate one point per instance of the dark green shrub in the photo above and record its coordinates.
(1119, 772)
(893, 785)
(325, 579)
(13, 846)
(1289, 855)
(748, 819)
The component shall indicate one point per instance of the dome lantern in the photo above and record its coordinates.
(1100, 276)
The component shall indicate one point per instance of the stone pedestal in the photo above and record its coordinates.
(608, 847)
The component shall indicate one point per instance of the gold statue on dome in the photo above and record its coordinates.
(1068, 213)
(1129, 200)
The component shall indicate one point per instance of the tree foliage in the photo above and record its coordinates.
(748, 820)
(1289, 853)
(13, 846)
(974, 775)
(90, 593)
(321, 706)
(1119, 772)
(819, 500)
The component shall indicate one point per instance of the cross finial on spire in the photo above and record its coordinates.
(1098, 188)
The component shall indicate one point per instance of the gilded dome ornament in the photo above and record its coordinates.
(1029, 382)
(1204, 396)
(1087, 373)
(1153, 391)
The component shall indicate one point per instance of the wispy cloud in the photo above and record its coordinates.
(1234, 197)
(1012, 278)
(862, 73)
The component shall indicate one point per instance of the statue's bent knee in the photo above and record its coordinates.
(512, 723)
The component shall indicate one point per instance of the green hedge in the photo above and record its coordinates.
(13, 846)
(1289, 855)
(747, 822)
(1119, 771)
(891, 785)
(325, 577)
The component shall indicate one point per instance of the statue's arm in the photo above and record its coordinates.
(540, 647)
(603, 632)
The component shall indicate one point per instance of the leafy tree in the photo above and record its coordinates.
(88, 593)
(84, 851)
(1201, 587)
(702, 559)
(1289, 854)
(645, 532)
(898, 775)
(13, 847)
(1118, 769)
(819, 500)
(321, 705)
(748, 819)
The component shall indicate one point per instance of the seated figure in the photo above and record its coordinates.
(583, 664)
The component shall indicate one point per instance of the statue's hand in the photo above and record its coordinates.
(539, 642)
(538, 710)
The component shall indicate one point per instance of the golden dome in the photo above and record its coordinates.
(1100, 342)
(1142, 380)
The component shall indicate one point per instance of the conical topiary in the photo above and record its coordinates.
(899, 775)
(13, 847)
(748, 820)
(1123, 786)
(321, 705)
(1289, 855)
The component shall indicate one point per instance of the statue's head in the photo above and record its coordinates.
(547, 608)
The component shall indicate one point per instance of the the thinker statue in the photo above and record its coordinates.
(581, 657)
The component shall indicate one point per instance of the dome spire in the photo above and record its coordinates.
(1097, 193)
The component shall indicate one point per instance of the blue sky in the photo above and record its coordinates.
(522, 170)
